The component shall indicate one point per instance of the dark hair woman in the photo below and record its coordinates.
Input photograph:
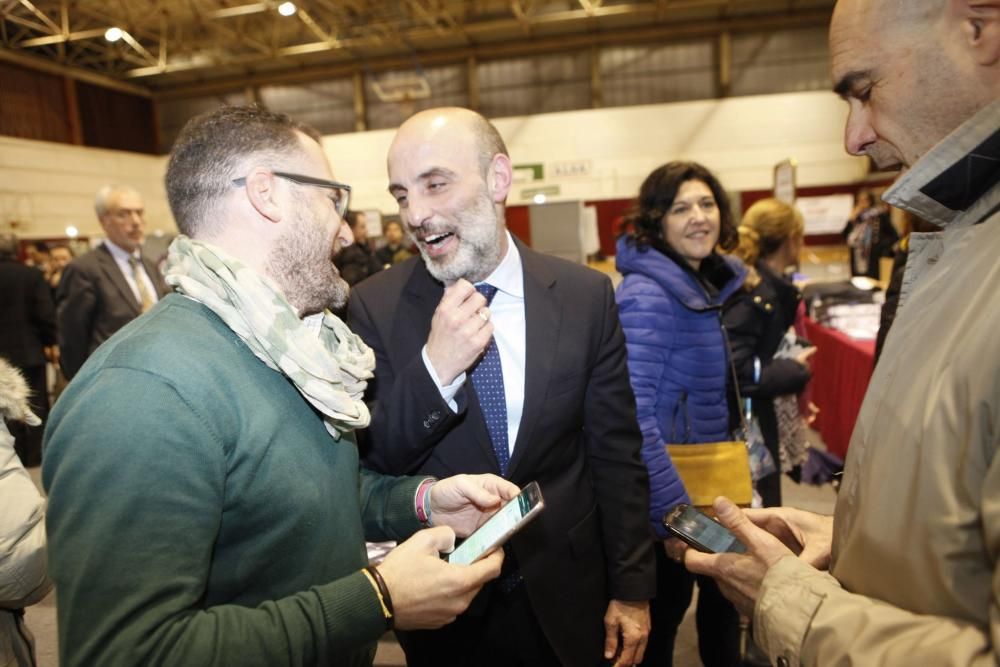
(674, 284)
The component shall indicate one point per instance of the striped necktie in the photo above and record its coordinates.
(146, 300)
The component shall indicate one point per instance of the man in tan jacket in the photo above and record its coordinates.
(914, 544)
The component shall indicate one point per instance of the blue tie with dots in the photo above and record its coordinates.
(487, 380)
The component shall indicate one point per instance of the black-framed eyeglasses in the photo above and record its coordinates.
(342, 191)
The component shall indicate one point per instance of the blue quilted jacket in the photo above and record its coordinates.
(677, 361)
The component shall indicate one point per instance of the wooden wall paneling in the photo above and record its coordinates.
(33, 105)
(111, 119)
(72, 112)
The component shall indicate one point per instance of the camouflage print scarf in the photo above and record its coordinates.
(330, 370)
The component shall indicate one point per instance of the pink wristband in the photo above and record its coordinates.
(422, 501)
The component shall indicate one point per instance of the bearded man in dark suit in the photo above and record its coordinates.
(493, 358)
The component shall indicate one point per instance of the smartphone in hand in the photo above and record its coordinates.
(509, 519)
(701, 531)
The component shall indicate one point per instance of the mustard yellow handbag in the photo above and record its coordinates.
(713, 469)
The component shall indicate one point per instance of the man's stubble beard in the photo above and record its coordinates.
(478, 251)
(301, 264)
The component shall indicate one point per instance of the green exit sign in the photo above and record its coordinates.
(528, 172)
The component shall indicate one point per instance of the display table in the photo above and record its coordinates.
(841, 369)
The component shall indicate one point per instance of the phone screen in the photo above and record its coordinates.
(500, 526)
(701, 531)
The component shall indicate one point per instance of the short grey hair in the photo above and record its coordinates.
(104, 194)
(489, 142)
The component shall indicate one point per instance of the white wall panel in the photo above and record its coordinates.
(46, 186)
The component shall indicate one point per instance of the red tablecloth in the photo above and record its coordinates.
(841, 368)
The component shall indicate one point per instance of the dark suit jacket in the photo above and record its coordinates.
(27, 315)
(94, 301)
(578, 436)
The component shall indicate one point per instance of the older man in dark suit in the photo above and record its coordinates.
(105, 289)
(493, 358)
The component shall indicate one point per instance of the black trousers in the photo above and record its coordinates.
(506, 635)
(716, 619)
(769, 489)
(28, 439)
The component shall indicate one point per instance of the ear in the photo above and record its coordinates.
(260, 192)
(980, 25)
(501, 175)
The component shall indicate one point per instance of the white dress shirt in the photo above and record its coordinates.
(507, 315)
(122, 260)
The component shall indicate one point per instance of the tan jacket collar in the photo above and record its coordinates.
(956, 182)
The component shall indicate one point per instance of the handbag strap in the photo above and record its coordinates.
(736, 380)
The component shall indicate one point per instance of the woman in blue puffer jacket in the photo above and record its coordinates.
(670, 304)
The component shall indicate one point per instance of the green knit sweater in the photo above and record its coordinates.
(200, 513)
